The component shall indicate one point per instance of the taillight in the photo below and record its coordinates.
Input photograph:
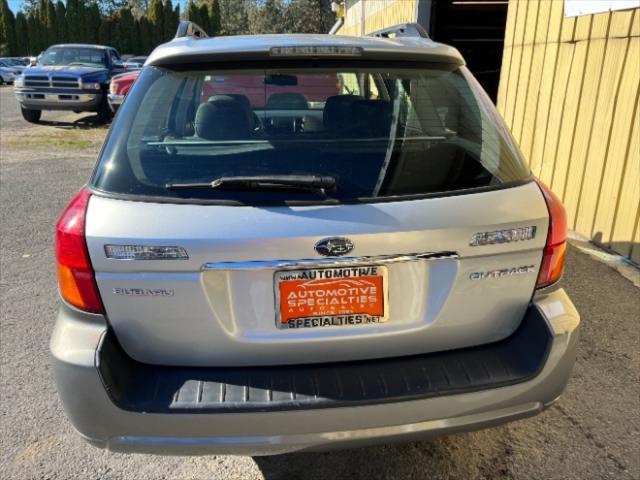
(556, 246)
(76, 278)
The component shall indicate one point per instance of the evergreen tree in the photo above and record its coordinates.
(7, 30)
(124, 32)
(234, 17)
(309, 16)
(93, 20)
(61, 22)
(269, 17)
(22, 35)
(170, 21)
(155, 20)
(72, 20)
(146, 37)
(213, 27)
(104, 32)
(50, 23)
(35, 33)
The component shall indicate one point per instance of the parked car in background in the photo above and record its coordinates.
(135, 63)
(12, 63)
(9, 70)
(329, 242)
(119, 87)
(7, 74)
(69, 77)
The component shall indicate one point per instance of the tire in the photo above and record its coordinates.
(31, 116)
(1, 80)
(104, 112)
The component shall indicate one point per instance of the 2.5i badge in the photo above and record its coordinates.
(331, 297)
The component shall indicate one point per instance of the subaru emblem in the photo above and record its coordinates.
(334, 246)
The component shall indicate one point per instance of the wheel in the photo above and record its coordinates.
(104, 112)
(32, 116)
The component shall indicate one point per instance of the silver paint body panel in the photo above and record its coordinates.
(225, 316)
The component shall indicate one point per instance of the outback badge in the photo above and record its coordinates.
(334, 246)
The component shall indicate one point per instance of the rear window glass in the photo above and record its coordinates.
(378, 132)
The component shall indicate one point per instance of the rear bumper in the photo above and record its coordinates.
(99, 413)
(59, 100)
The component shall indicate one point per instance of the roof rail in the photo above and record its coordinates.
(401, 30)
(190, 29)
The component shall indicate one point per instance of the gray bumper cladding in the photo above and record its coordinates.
(140, 387)
(123, 405)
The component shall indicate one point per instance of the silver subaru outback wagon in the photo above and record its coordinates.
(307, 242)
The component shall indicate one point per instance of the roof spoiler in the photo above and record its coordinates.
(190, 29)
(401, 30)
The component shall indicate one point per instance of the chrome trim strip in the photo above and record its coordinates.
(326, 262)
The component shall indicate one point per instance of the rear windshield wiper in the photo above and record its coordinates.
(264, 182)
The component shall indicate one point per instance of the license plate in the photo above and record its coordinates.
(331, 297)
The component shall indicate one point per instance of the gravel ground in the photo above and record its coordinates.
(591, 433)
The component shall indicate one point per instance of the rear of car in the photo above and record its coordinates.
(317, 244)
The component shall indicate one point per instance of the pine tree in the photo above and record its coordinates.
(124, 31)
(213, 24)
(61, 22)
(155, 20)
(146, 36)
(93, 20)
(7, 30)
(22, 35)
(50, 23)
(34, 31)
(234, 17)
(268, 17)
(72, 21)
(170, 23)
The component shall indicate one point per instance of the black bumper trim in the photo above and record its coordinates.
(140, 387)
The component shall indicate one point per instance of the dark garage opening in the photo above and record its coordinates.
(476, 28)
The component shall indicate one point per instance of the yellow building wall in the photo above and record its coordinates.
(377, 14)
(569, 89)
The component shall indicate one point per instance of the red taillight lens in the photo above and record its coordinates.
(556, 246)
(75, 275)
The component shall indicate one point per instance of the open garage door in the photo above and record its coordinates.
(476, 28)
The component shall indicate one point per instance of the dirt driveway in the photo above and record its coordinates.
(593, 432)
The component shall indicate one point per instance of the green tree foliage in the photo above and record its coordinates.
(268, 17)
(92, 22)
(155, 19)
(138, 26)
(61, 23)
(8, 44)
(234, 17)
(22, 34)
(170, 21)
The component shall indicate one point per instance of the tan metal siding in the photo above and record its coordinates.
(570, 89)
(378, 14)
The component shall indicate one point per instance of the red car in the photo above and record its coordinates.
(312, 88)
(119, 87)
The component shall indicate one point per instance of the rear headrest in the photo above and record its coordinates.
(222, 118)
(371, 118)
(287, 101)
(244, 101)
(337, 113)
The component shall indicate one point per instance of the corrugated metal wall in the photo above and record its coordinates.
(569, 89)
(377, 14)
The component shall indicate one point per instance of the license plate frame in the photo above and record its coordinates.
(365, 276)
